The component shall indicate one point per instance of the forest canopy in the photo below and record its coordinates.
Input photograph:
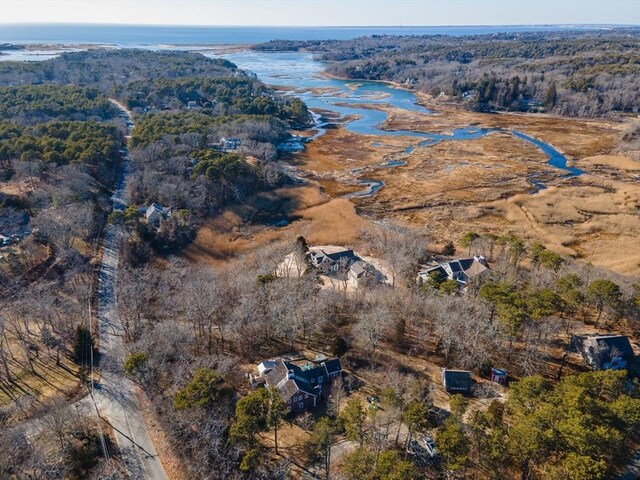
(106, 69)
(28, 104)
(589, 73)
(63, 143)
(219, 96)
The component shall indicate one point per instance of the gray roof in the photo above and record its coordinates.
(358, 268)
(319, 255)
(470, 267)
(290, 378)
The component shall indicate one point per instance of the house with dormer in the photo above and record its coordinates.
(155, 213)
(331, 259)
(462, 270)
(302, 387)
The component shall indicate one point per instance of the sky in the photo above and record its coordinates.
(322, 12)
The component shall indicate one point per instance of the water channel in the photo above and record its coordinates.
(302, 76)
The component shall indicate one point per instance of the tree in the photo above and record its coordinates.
(508, 303)
(201, 391)
(468, 239)
(415, 417)
(353, 417)
(458, 405)
(576, 428)
(568, 287)
(277, 411)
(258, 412)
(340, 346)
(543, 302)
(448, 287)
(320, 441)
(580, 467)
(250, 460)
(515, 248)
(251, 417)
(453, 446)
(131, 214)
(399, 246)
(362, 465)
(134, 363)
(391, 467)
(337, 395)
(84, 350)
(551, 260)
(536, 250)
(449, 249)
(116, 217)
(603, 293)
(551, 96)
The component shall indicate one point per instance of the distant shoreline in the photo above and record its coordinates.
(146, 35)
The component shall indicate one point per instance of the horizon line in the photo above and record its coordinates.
(168, 25)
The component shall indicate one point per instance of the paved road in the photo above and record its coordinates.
(115, 394)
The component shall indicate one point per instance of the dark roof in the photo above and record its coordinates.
(618, 344)
(309, 373)
(442, 273)
(301, 378)
(333, 366)
(465, 263)
(470, 266)
(457, 379)
(338, 255)
(455, 266)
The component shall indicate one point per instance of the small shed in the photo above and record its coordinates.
(608, 352)
(456, 381)
(499, 375)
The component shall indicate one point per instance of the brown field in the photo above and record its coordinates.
(453, 187)
(316, 216)
(36, 385)
(483, 184)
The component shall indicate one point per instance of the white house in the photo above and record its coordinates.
(155, 213)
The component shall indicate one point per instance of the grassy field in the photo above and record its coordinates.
(319, 218)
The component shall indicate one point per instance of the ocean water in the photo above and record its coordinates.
(134, 35)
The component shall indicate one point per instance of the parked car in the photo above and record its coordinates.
(423, 447)
(429, 445)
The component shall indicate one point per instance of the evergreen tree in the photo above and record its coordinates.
(84, 351)
(353, 417)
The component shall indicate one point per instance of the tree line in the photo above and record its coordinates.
(590, 73)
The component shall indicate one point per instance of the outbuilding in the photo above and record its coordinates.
(456, 381)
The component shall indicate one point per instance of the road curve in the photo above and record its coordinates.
(114, 395)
